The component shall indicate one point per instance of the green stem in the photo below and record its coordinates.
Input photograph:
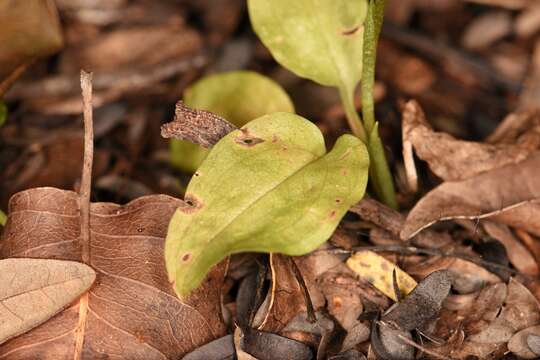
(372, 29)
(347, 99)
(3, 218)
(379, 170)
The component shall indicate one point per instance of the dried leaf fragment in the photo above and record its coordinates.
(452, 159)
(268, 346)
(378, 271)
(197, 126)
(509, 195)
(519, 343)
(423, 303)
(34, 290)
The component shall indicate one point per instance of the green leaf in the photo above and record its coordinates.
(317, 39)
(268, 187)
(3, 113)
(238, 96)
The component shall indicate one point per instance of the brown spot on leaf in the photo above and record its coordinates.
(338, 201)
(186, 257)
(348, 32)
(191, 204)
(247, 139)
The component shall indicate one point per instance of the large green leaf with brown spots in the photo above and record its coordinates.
(267, 187)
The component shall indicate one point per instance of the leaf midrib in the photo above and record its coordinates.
(262, 195)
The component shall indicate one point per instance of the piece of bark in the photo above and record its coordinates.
(197, 126)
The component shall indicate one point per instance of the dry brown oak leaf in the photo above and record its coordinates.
(131, 311)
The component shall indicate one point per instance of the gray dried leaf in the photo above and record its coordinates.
(423, 303)
(219, 349)
(269, 346)
(387, 343)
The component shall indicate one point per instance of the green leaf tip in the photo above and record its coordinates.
(238, 96)
(3, 113)
(267, 187)
(320, 40)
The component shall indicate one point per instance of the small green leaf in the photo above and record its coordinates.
(238, 96)
(317, 39)
(268, 187)
(3, 113)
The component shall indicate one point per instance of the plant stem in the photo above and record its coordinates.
(347, 99)
(372, 29)
(379, 170)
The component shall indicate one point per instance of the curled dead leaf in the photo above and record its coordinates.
(508, 194)
(452, 159)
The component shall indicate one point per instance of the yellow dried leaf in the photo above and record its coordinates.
(378, 272)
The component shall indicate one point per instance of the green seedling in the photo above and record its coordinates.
(271, 186)
(267, 187)
(332, 43)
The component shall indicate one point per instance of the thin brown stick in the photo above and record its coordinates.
(414, 344)
(411, 250)
(86, 178)
(15, 74)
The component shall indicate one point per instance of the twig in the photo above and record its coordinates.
(15, 74)
(411, 250)
(86, 179)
